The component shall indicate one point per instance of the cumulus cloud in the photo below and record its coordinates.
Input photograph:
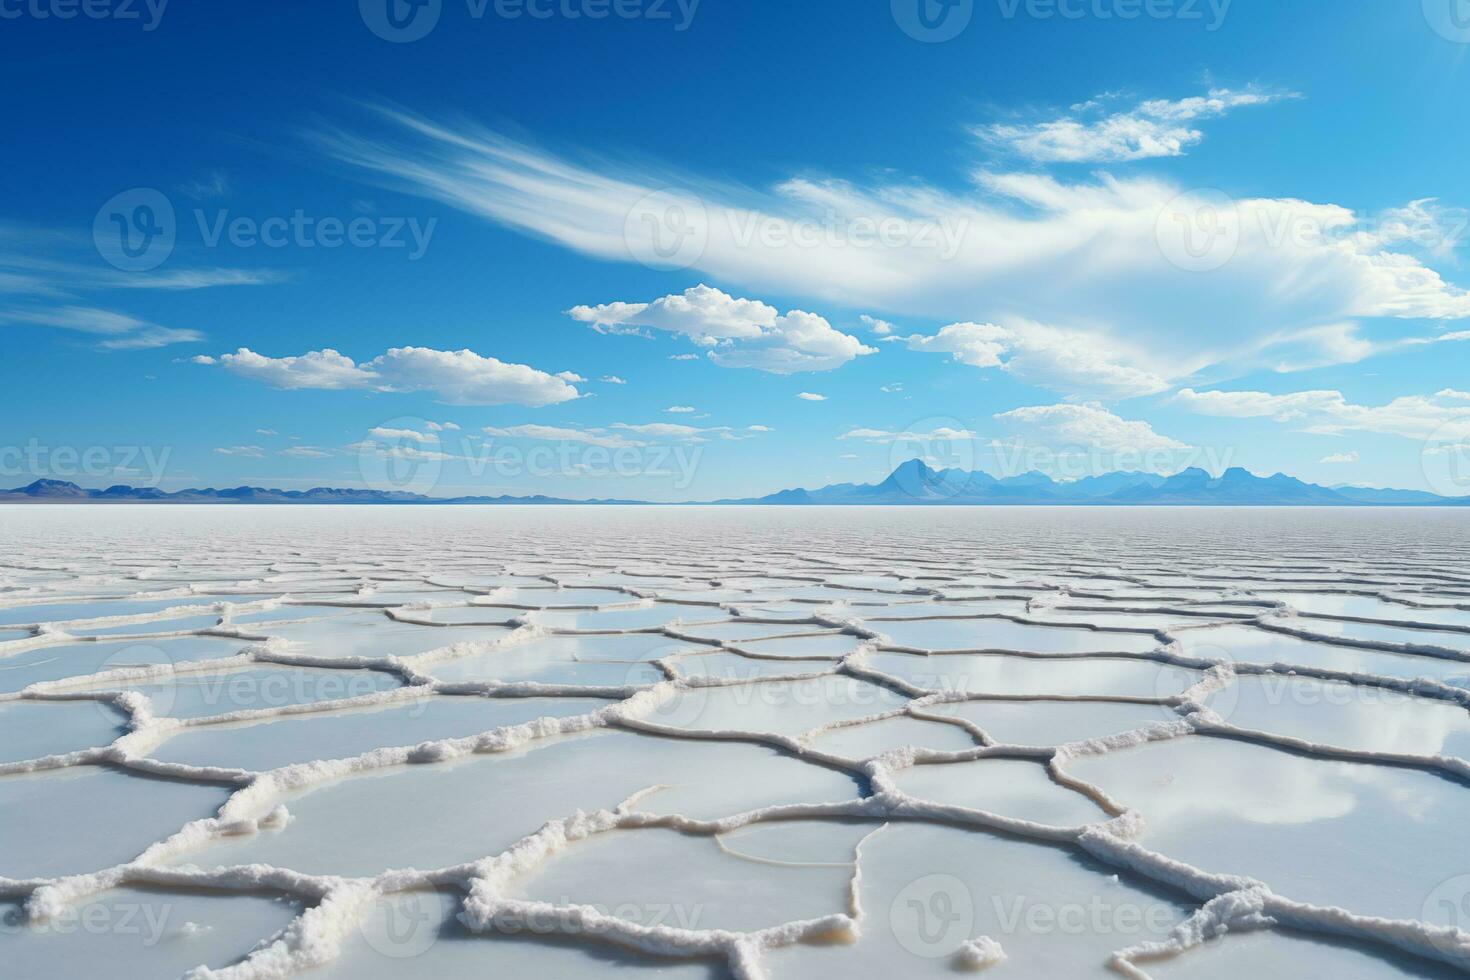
(1068, 361)
(458, 377)
(1152, 128)
(1090, 427)
(738, 332)
(1348, 457)
(880, 327)
(1444, 414)
(681, 409)
(808, 396)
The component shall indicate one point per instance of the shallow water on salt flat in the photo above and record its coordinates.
(140, 934)
(48, 819)
(1277, 952)
(417, 936)
(654, 877)
(876, 737)
(1236, 808)
(998, 673)
(270, 744)
(481, 805)
(1009, 787)
(1345, 715)
(1362, 836)
(928, 889)
(1002, 634)
(37, 729)
(62, 660)
(1250, 645)
(1054, 722)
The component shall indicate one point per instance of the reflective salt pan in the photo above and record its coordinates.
(1372, 839)
(1002, 634)
(926, 890)
(1054, 722)
(1284, 953)
(1251, 645)
(622, 619)
(728, 666)
(589, 660)
(380, 819)
(63, 660)
(1346, 715)
(141, 934)
(49, 820)
(33, 730)
(196, 694)
(264, 745)
(778, 707)
(876, 737)
(654, 877)
(1019, 788)
(373, 634)
(995, 673)
(417, 936)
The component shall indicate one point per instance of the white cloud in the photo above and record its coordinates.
(891, 389)
(398, 435)
(1349, 457)
(612, 379)
(253, 452)
(1444, 415)
(683, 357)
(1087, 254)
(1068, 361)
(118, 330)
(681, 409)
(1153, 128)
(808, 396)
(443, 427)
(738, 332)
(759, 428)
(266, 432)
(551, 433)
(571, 377)
(305, 452)
(458, 377)
(886, 436)
(880, 327)
(669, 430)
(1090, 427)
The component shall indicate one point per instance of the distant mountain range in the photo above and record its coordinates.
(912, 483)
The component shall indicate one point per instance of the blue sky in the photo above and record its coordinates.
(691, 250)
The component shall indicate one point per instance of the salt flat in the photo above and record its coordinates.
(397, 742)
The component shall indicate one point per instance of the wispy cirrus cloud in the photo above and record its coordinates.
(1092, 256)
